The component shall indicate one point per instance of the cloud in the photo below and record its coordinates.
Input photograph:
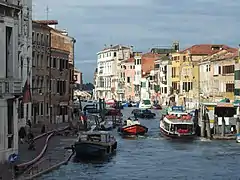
(141, 23)
(85, 62)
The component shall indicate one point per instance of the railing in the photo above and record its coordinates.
(9, 86)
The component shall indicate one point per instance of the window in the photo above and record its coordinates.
(156, 66)
(228, 69)
(33, 37)
(143, 84)
(174, 85)
(237, 92)
(114, 54)
(54, 63)
(187, 86)
(37, 39)
(208, 68)
(42, 39)
(184, 58)
(41, 108)
(174, 74)
(230, 87)
(237, 75)
(47, 39)
(128, 79)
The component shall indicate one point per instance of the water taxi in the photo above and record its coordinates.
(178, 125)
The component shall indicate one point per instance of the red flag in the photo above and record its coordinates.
(27, 97)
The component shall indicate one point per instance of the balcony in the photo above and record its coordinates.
(10, 87)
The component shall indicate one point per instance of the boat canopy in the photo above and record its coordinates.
(178, 121)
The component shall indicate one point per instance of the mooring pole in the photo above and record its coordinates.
(223, 126)
(209, 135)
(203, 125)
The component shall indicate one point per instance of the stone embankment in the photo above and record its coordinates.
(52, 155)
(49, 154)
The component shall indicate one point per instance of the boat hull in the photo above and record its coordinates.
(135, 129)
(85, 150)
(168, 135)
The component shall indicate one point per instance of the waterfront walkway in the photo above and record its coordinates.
(26, 155)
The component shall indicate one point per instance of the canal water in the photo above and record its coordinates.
(154, 158)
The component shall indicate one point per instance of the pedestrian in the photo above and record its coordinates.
(22, 134)
(29, 123)
(43, 130)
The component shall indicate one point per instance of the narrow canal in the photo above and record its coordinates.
(155, 158)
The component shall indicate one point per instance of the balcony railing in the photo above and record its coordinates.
(10, 86)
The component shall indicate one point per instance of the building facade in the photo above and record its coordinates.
(25, 56)
(10, 78)
(129, 67)
(110, 76)
(138, 75)
(61, 73)
(237, 78)
(40, 72)
(217, 76)
(59, 78)
(78, 79)
(165, 79)
(185, 71)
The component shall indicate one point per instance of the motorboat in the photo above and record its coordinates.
(95, 144)
(143, 113)
(156, 106)
(178, 125)
(145, 104)
(238, 138)
(132, 127)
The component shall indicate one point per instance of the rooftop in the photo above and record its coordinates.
(205, 49)
(47, 22)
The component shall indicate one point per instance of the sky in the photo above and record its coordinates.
(141, 23)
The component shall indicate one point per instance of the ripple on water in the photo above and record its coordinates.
(153, 157)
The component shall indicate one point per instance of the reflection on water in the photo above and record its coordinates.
(153, 157)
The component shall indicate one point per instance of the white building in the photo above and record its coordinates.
(165, 77)
(25, 56)
(138, 75)
(110, 77)
(10, 80)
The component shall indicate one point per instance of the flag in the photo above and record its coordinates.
(27, 97)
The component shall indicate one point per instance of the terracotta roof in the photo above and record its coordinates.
(130, 60)
(205, 49)
(223, 54)
(47, 22)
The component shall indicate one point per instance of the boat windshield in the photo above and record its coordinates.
(182, 128)
(146, 102)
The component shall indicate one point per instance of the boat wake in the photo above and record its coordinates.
(204, 139)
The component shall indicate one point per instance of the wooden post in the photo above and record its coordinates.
(209, 135)
(203, 125)
(223, 126)
(215, 124)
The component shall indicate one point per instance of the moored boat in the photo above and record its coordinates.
(178, 126)
(95, 144)
(133, 127)
(238, 138)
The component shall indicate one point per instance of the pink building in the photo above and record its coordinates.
(129, 75)
(78, 77)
